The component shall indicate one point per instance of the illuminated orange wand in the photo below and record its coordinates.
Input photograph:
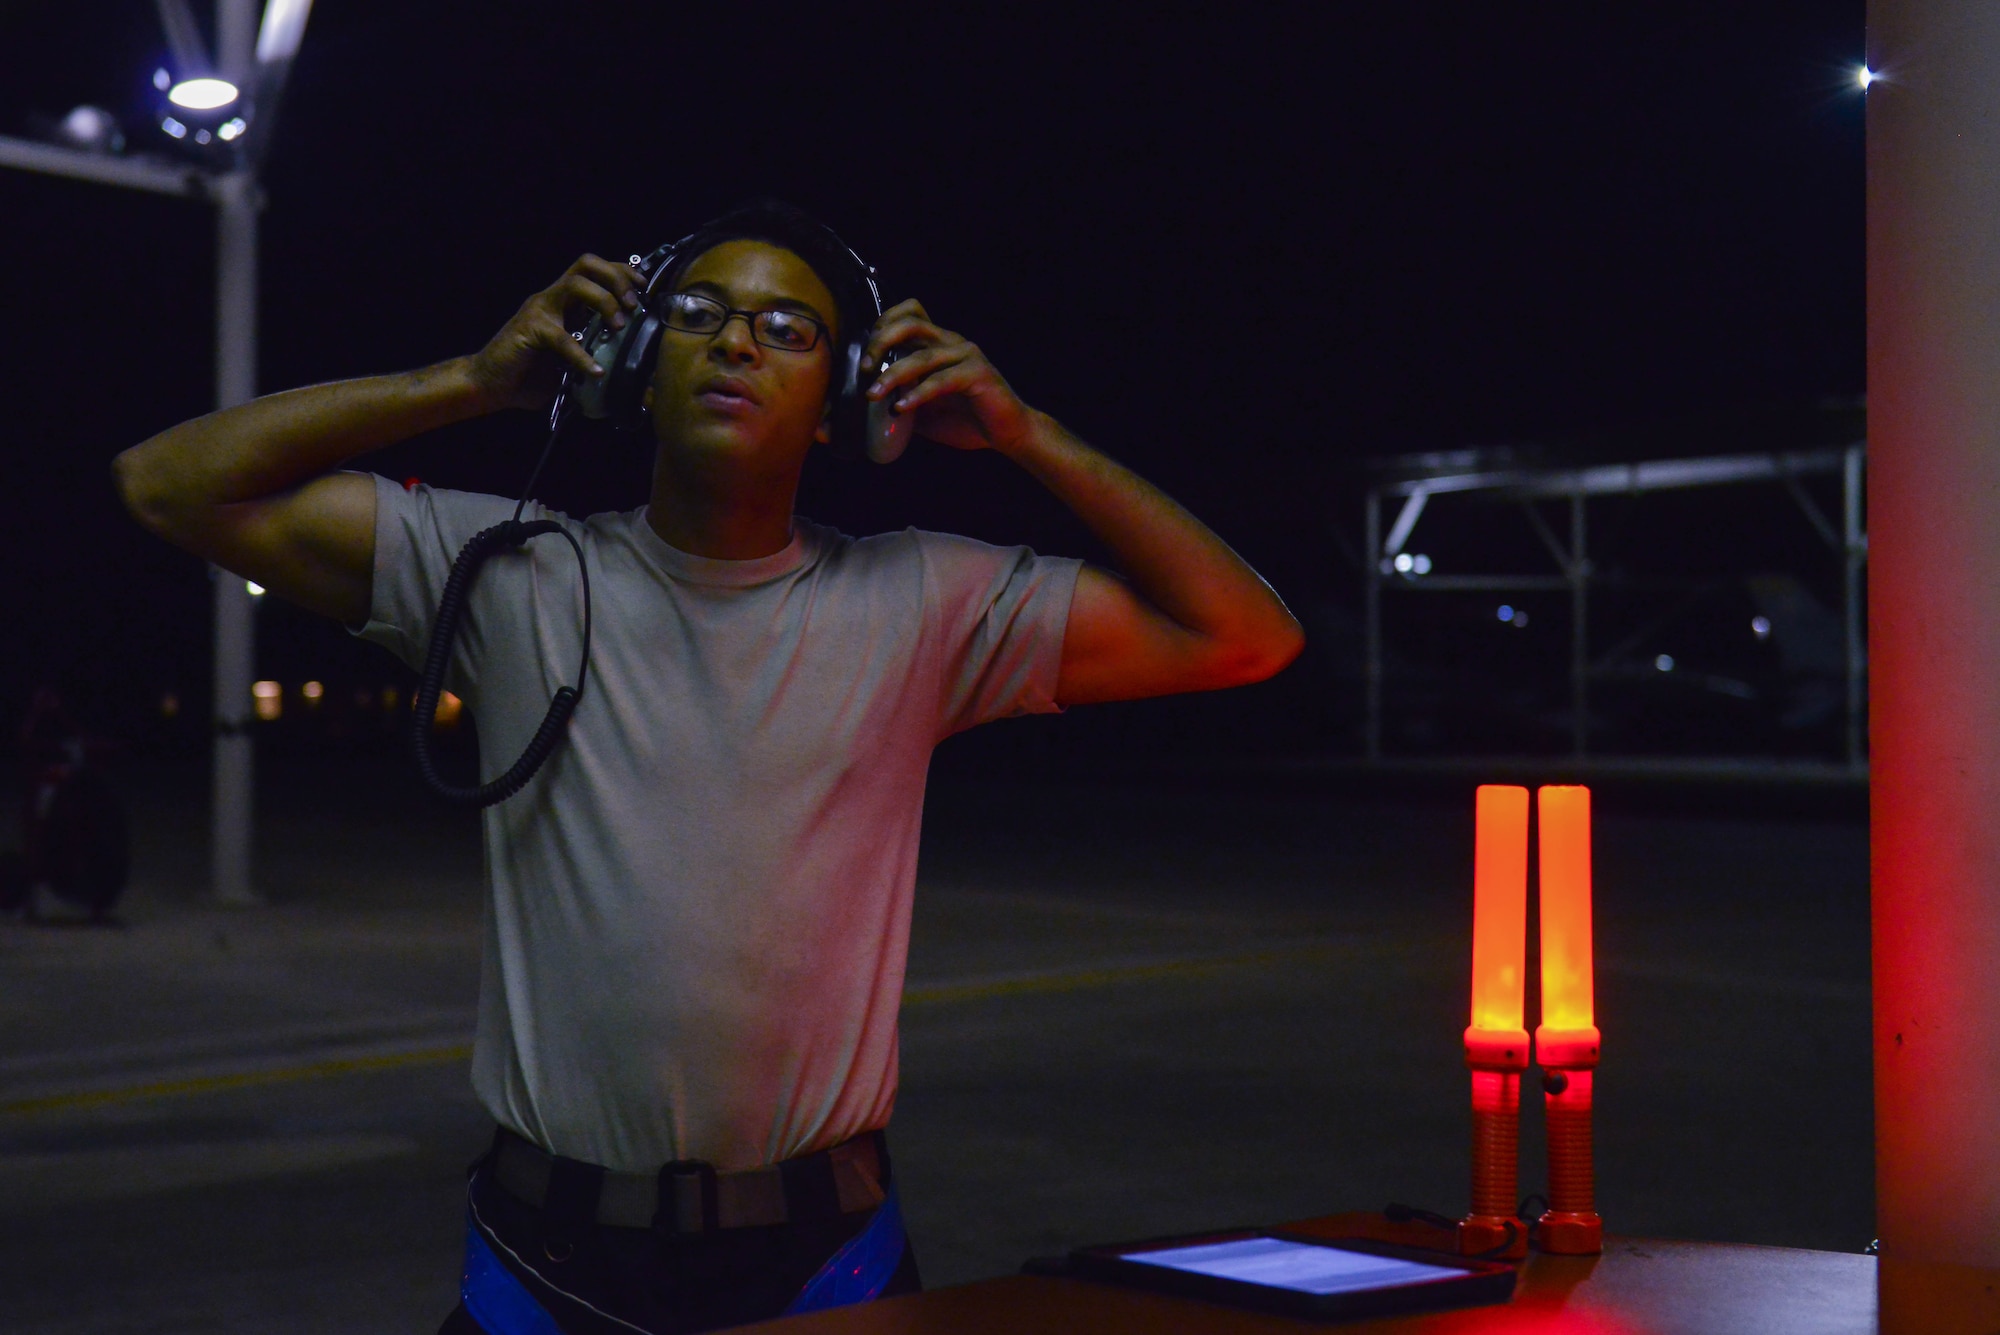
(1496, 1043)
(1566, 1041)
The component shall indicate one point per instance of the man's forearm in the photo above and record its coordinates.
(1171, 558)
(272, 444)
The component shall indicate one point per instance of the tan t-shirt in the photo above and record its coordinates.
(699, 909)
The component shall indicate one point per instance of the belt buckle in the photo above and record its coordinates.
(667, 1213)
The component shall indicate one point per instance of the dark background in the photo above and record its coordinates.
(1244, 249)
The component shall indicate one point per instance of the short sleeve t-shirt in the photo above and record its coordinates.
(699, 907)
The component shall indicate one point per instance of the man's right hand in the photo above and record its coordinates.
(251, 488)
(524, 363)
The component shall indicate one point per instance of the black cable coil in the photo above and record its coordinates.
(509, 534)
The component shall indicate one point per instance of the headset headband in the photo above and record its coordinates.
(663, 258)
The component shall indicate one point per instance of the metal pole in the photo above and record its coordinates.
(1933, 157)
(236, 200)
(1855, 548)
(1371, 671)
(1579, 629)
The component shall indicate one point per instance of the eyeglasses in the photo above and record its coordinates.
(787, 331)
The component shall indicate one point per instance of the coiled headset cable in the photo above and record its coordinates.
(508, 535)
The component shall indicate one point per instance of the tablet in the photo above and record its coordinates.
(1299, 1276)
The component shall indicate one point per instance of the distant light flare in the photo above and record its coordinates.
(284, 26)
(1865, 77)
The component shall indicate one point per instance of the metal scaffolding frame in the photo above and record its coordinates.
(1383, 572)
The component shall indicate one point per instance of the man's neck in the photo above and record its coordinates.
(735, 519)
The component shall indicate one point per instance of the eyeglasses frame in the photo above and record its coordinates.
(820, 330)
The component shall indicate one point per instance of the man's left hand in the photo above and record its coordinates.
(944, 382)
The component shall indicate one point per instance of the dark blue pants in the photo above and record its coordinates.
(661, 1282)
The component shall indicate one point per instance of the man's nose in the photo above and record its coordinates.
(734, 341)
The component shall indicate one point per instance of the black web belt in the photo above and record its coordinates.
(689, 1196)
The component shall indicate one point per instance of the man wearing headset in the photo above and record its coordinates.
(699, 907)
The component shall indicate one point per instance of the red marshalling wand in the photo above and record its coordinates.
(1496, 1043)
(1566, 1042)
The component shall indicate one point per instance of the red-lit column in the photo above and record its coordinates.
(1496, 1042)
(1566, 1041)
(1934, 654)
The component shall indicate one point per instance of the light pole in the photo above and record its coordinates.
(254, 57)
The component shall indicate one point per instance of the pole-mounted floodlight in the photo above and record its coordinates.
(203, 94)
(227, 106)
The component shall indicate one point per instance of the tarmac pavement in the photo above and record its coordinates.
(1133, 1009)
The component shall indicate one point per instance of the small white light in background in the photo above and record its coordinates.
(1506, 613)
(256, 589)
(1665, 662)
(202, 94)
(312, 690)
(1761, 627)
(173, 127)
(1865, 76)
(162, 80)
(1403, 563)
(230, 128)
(1421, 565)
(92, 127)
(270, 699)
(1520, 618)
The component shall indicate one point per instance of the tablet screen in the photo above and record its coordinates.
(1300, 1266)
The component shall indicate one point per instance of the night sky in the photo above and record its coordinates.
(1245, 249)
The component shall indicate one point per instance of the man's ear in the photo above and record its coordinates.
(823, 433)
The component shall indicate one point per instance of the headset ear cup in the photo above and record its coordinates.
(631, 371)
(850, 403)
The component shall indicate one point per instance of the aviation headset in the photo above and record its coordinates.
(859, 428)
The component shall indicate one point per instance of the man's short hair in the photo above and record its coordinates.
(786, 225)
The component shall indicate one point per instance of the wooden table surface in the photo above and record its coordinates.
(1638, 1287)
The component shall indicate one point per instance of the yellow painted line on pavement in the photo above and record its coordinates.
(1054, 981)
(217, 1084)
(1078, 980)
